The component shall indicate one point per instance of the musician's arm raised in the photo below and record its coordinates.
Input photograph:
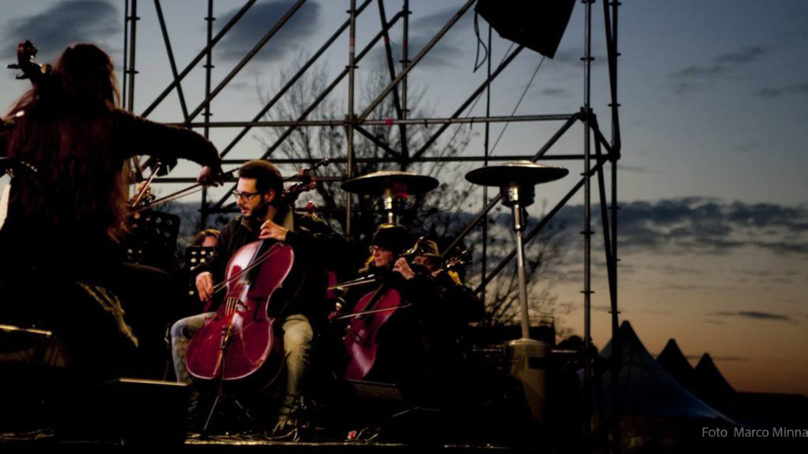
(167, 143)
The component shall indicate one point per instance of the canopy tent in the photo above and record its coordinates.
(676, 364)
(644, 388)
(708, 380)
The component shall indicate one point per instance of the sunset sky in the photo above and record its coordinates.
(712, 184)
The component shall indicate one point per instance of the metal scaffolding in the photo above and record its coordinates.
(599, 155)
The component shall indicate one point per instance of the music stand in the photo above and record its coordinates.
(377, 390)
(153, 239)
(196, 256)
(516, 181)
(394, 186)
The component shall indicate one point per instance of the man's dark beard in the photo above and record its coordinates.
(258, 212)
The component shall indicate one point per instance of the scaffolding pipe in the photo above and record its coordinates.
(314, 104)
(587, 232)
(484, 258)
(292, 80)
(300, 120)
(383, 122)
(247, 58)
(131, 71)
(388, 51)
(171, 61)
(498, 158)
(203, 215)
(373, 104)
(349, 166)
(125, 50)
(198, 58)
(469, 100)
(379, 143)
(610, 28)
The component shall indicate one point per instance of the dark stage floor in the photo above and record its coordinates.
(43, 442)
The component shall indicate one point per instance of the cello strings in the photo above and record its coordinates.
(261, 259)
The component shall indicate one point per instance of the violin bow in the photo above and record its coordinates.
(372, 311)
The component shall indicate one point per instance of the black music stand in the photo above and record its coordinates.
(153, 239)
(196, 256)
(136, 412)
(374, 390)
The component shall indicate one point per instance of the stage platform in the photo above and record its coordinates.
(237, 444)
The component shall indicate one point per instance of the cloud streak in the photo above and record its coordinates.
(721, 64)
(249, 30)
(718, 358)
(61, 24)
(776, 92)
(698, 225)
(423, 29)
(691, 77)
(756, 315)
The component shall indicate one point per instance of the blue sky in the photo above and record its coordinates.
(712, 183)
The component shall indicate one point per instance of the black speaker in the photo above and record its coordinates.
(535, 24)
(133, 411)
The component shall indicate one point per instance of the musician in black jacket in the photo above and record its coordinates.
(62, 263)
(265, 215)
(435, 322)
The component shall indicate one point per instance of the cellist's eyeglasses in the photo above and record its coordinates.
(246, 196)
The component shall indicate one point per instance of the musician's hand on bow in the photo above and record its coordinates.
(336, 312)
(403, 267)
(271, 230)
(210, 176)
(204, 286)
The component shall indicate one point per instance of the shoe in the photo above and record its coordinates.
(287, 425)
(195, 419)
(285, 430)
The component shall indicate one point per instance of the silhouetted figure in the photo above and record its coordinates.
(62, 266)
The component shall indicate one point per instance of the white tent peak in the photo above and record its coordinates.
(645, 389)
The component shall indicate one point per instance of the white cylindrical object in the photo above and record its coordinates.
(528, 358)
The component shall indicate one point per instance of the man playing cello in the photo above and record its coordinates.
(265, 215)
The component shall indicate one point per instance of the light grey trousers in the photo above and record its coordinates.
(297, 337)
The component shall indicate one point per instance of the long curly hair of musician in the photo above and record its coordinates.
(64, 127)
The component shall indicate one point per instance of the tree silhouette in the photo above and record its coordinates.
(439, 214)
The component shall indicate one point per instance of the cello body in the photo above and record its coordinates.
(241, 337)
(361, 340)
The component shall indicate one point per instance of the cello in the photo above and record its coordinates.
(375, 309)
(371, 312)
(242, 337)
